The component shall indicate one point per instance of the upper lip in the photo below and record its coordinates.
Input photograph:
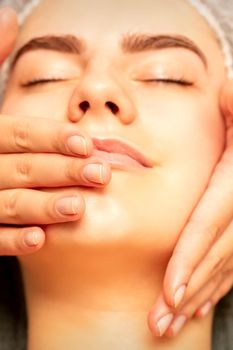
(113, 145)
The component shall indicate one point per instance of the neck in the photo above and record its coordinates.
(98, 300)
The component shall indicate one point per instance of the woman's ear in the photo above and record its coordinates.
(226, 103)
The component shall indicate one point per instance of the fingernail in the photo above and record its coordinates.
(96, 173)
(179, 295)
(205, 309)
(77, 145)
(32, 239)
(178, 323)
(68, 205)
(163, 323)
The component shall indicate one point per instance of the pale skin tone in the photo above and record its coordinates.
(194, 305)
(135, 91)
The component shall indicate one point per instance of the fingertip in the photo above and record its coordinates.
(7, 14)
(79, 145)
(169, 289)
(8, 30)
(77, 142)
(33, 239)
(158, 314)
(70, 206)
(174, 296)
(175, 284)
(159, 326)
(152, 325)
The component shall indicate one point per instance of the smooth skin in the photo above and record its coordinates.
(209, 227)
(21, 146)
(200, 271)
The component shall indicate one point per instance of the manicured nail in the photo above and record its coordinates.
(205, 309)
(68, 205)
(32, 239)
(163, 323)
(178, 323)
(96, 173)
(77, 145)
(179, 295)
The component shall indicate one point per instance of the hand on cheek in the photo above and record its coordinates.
(200, 271)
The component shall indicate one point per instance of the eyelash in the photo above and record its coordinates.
(181, 81)
(171, 81)
(35, 82)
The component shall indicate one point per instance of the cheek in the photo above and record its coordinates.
(154, 208)
(52, 105)
(185, 126)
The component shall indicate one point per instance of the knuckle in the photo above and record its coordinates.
(21, 133)
(228, 270)
(58, 141)
(24, 170)
(216, 264)
(71, 171)
(49, 210)
(11, 204)
(18, 243)
(215, 280)
(211, 233)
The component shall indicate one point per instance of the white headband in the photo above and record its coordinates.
(206, 13)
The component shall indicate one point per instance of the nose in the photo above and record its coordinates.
(101, 95)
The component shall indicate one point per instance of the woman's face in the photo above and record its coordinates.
(119, 80)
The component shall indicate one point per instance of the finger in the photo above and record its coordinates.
(203, 301)
(8, 31)
(20, 241)
(160, 317)
(29, 207)
(223, 289)
(208, 221)
(31, 170)
(160, 311)
(216, 261)
(187, 311)
(24, 134)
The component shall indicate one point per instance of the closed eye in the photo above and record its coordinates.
(181, 81)
(35, 82)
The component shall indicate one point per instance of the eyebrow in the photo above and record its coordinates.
(64, 43)
(133, 43)
(130, 43)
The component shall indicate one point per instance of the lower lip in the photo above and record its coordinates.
(117, 160)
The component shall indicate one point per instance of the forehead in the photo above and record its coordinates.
(109, 17)
(102, 22)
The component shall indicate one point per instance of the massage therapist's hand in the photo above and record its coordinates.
(40, 153)
(200, 271)
(8, 31)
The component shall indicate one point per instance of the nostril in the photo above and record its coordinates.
(84, 106)
(112, 106)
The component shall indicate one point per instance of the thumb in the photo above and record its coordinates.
(8, 31)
